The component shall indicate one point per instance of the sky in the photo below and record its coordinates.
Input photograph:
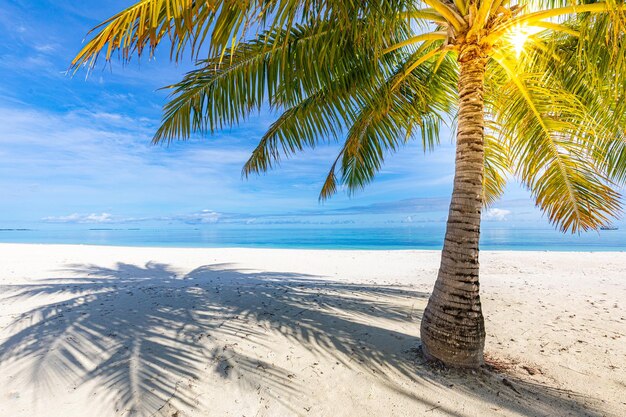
(76, 150)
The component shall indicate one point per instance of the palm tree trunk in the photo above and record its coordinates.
(453, 329)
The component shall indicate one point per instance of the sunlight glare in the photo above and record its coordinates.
(519, 36)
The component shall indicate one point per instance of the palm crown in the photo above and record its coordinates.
(378, 74)
(537, 90)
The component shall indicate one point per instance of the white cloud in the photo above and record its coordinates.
(80, 218)
(199, 217)
(45, 47)
(496, 214)
(204, 216)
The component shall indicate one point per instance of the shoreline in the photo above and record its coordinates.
(203, 331)
(272, 248)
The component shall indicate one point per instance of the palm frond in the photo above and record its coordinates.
(144, 24)
(224, 23)
(543, 122)
(408, 103)
(274, 68)
(320, 116)
(498, 164)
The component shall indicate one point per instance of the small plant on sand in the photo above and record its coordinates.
(536, 89)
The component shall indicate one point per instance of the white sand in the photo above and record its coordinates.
(111, 331)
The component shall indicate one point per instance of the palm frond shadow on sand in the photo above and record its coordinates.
(144, 336)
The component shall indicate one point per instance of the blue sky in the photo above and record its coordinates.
(77, 150)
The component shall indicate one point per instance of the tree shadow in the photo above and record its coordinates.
(142, 336)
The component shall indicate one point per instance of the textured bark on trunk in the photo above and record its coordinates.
(453, 329)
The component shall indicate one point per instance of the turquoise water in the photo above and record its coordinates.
(322, 237)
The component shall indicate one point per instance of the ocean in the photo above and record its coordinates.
(424, 236)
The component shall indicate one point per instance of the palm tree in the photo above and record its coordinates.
(536, 89)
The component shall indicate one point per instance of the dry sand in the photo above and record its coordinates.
(112, 331)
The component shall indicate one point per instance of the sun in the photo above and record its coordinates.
(518, 36)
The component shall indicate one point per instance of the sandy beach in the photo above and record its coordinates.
(115, 331)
